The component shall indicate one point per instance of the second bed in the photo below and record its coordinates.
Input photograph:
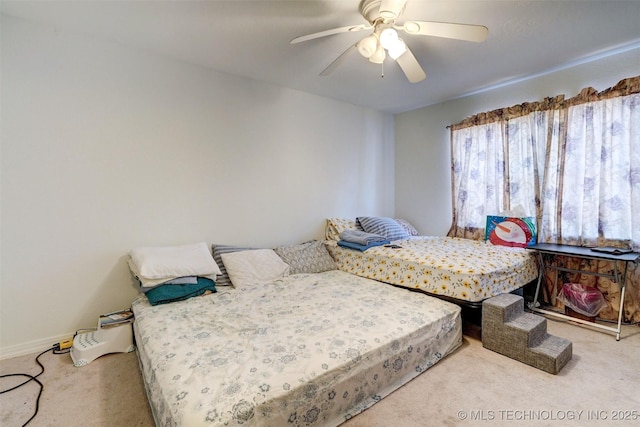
(462, 270)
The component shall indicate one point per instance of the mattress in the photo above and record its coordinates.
(309, 349)
(462, 269)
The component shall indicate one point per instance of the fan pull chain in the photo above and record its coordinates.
(382, 70)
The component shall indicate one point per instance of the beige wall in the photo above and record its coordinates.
(106, 148)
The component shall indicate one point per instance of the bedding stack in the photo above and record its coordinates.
(174, 273)
(361, 240)
(374, 231)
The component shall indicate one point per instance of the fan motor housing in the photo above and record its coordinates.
(370, 10)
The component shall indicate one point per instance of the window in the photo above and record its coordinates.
(573, 164)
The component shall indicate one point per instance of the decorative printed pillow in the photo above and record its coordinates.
(335, 226)
(511, 231)
(309, 257)
(258, 266)
(407, 227)
(387, 227)
(223, 279)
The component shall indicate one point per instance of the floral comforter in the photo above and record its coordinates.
(464, 269)
(306, 350)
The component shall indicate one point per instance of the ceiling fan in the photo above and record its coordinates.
(384, 40)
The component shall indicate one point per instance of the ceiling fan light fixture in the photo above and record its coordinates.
(368, 46)
(381, 16)
(388, 38)
(378, 56)
(398, 48)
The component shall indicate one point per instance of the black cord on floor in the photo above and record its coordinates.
(55, 349)
(29, 379)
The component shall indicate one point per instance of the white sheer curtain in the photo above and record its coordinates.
(575, 168)
(601, 189)
(498, 166)
(478, 173)
(551, 182)
(526, 158)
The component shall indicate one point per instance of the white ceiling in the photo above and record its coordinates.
(251, 39)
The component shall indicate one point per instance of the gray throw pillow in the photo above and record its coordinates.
(308, 257)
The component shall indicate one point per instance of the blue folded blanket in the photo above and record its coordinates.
(170, 293)
(360, 247)
(361, 237)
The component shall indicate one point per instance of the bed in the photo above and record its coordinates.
(301, 350)
(461, 270)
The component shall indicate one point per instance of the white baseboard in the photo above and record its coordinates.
(32, 347)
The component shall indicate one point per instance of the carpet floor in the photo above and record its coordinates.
(471, 387)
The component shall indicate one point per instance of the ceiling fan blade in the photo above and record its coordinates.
(411, 67)
(337, 61)
(472, 33)
(391, 9)
(331, 32)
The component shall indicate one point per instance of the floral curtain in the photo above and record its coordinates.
(601, 179)
(574, 164)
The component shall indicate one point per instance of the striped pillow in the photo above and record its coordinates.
(387, 227)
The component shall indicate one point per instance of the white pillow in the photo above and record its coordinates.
(174, 261)
(254, 267)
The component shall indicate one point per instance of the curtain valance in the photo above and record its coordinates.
(624, 87)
